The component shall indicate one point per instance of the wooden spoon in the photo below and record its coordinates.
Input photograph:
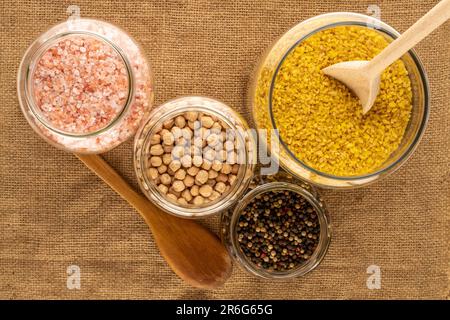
(194, 253)
(363, 77)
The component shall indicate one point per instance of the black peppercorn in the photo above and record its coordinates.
(278, 230)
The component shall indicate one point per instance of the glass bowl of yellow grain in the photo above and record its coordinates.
(323, 137)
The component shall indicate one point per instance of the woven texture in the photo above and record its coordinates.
(55, 213)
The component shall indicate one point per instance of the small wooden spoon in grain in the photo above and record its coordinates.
(363, 77)
(194, 253)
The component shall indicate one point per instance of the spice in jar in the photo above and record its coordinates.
(278, 230)
(80, 84)
(85, 86)
(193, 158)
(320, 119)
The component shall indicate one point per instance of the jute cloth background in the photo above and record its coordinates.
(54, 212)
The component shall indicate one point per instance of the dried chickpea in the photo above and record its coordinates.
(212, 174)
(186, 161)
(197, 160)
(214, 195)
(220, 187)
(189, 181)
(191, 116)
(177, 132)
(165, 179)
(180, 122)
(186, 194)
(170, 171)
(205, 133)
(152, 173)
(211, 182)
(226, 168)
(194, 190)
(192, 171)
(178, 186)
(168, 139)
(155, 139)
(181, 141)
(156, 150)
(222, 177)
(172, 191)
(209, 155)
(198, 200)
(201, 177)
(217, 126)
(187, 133)
(172, 197)
(216, 165)
(175, 165)
(167, 159)
(229, 145)
(206, 121)
(177, 152)
(206, 190)
(231, 158)
(180, 174)
(167, 149)
(206, 165)
(162, 169)
(163, 132)
(168, 124)
(197, 125)
(212, 140)
(221, 155)
(155, 161)
(163, 188)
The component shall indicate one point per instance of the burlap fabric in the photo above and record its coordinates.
(54, 212)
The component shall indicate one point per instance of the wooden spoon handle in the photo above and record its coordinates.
(418, 31)
(194, 253)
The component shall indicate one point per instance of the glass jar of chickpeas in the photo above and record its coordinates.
(194, 156)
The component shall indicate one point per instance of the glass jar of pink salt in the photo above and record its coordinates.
(85, 85)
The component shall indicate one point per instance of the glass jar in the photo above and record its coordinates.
(261, 88)
(279, 182)
(208, 107)
(85, 85)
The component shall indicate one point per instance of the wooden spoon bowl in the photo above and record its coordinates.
(363, 77)
(193, 252)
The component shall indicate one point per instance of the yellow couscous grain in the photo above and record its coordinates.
(318, 117)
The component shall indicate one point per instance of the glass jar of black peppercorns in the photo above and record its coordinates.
(280, 229)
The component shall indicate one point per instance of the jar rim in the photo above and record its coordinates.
(32, 57)
(324, 237)
(391, 32)
(215, 206)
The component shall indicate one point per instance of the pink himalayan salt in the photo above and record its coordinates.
(80, 84)
(138, 108)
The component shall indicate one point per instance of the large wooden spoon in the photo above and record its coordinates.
(193, 252)
(363, 77)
